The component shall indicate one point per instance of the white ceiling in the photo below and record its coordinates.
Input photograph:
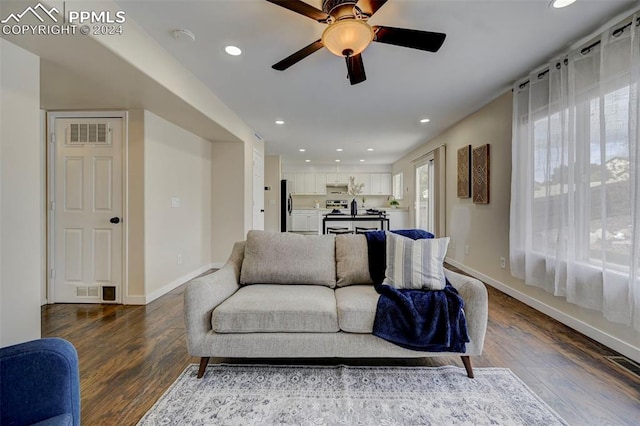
(489, 45)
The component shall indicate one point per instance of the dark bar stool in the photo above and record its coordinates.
(363, 229)
(338, 230)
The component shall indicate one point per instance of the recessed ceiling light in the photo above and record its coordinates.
(561, 3)
(425, 120)
(302, 150)
(362, 161)
(279, 121)
(233, 50)
(369, 149)
(339, 149)
(307, 161)
(337, 161)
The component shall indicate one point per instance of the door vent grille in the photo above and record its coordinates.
(90, 291)
(82, 133)
(626, 363)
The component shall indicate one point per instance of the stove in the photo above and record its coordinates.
(337, 204)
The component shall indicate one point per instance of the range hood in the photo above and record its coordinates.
(337, 188)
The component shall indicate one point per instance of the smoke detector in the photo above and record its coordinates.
(183, 35)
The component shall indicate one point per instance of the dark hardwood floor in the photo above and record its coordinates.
(129, 355)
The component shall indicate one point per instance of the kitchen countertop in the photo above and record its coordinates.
(323, 209)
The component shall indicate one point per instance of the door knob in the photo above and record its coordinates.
(115, 220)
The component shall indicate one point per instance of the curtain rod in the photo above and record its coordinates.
(420, 157)
(616, 33)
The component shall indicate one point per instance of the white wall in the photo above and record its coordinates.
(485, 228)
(135, 292)
(177, 165)
(21, 195)
(229, 202)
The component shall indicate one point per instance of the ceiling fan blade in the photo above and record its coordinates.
(298, 56)
(369, 7)
(302, 8)
(415, 39)
(355, 68)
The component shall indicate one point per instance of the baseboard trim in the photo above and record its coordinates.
(588, 330)
(135, 300)
(145, 300)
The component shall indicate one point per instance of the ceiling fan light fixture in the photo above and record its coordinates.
(347, 35)
(557, 4)
(233, 50)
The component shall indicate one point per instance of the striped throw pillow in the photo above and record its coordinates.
(415, 264)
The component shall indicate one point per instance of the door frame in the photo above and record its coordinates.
(121, 297)
(255, 192)
(427, 160)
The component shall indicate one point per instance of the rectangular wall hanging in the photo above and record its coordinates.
(480, 178)
(464, 172)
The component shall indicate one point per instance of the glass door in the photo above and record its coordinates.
(424, 203)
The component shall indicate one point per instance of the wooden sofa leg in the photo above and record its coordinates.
(203, 366)
(467, 365)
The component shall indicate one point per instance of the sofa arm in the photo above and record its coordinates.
(203, 294)
(476, 305)
(40, 382)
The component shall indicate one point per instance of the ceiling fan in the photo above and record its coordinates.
(348, 33)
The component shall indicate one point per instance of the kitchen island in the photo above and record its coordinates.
(381, 218)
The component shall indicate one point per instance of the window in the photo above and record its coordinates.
(575, 199)
(397, 190)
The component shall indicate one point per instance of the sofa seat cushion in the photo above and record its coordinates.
(287, 258)
(357, 308)
(273, 308)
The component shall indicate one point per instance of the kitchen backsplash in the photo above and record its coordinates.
(309, 201)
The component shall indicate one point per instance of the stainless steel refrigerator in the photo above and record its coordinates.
(286, 205)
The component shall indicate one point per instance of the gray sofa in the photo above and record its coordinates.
(283, 295)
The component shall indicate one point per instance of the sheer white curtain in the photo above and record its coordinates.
(575, 194)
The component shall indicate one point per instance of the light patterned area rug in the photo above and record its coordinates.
(344, 395)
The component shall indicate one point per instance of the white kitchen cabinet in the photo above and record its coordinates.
(298, 183)
(380, 183)
(321, 183)
(337, 178)
(299, 222)
(304, 220)
(398, 219)
(307, 183)
(315, 184)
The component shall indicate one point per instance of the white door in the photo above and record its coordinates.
(86, 210)
(258, 190)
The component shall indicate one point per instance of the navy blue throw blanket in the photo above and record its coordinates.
(422, 320)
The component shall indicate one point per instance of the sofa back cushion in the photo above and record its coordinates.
(352, 260)
(287, 258)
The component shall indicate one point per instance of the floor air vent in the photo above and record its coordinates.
(626, 363)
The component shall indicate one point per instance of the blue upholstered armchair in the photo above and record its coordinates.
(39, 384)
